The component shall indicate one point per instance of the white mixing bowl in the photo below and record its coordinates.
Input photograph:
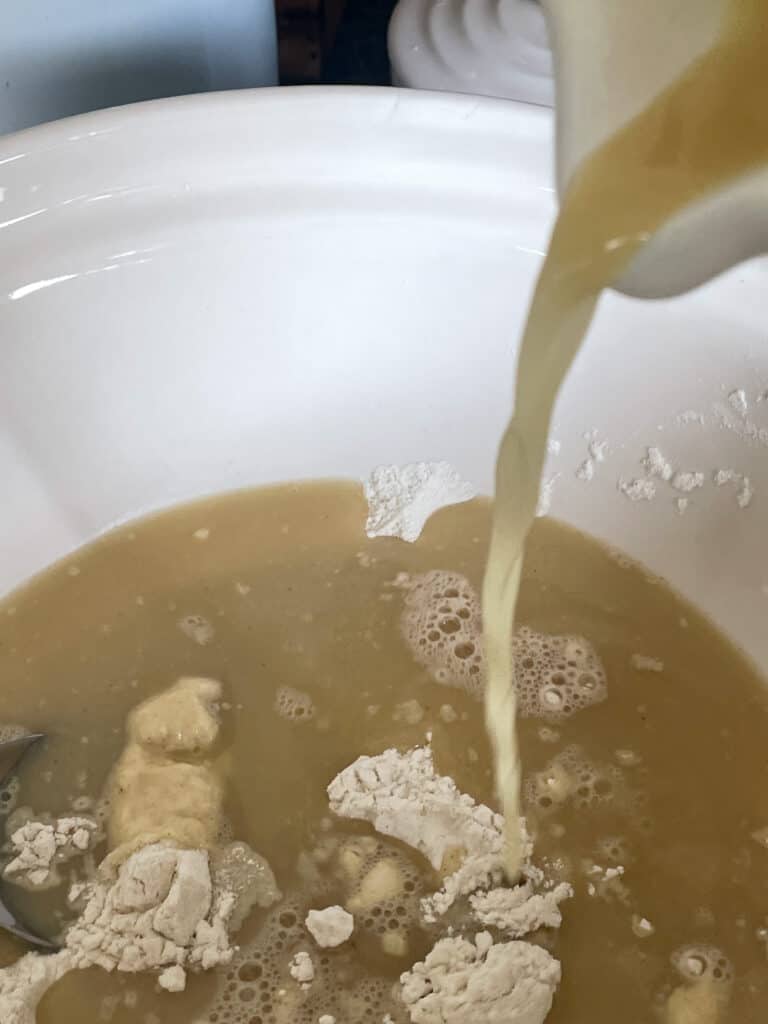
(202, 294)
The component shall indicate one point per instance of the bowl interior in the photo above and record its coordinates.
(209, 293)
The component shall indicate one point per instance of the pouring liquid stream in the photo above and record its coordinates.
(706, 130)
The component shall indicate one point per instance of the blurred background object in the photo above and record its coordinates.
(359, 54)
(68, 58)
(336, 42)
(306, 30)
(60, 58)
(485, 47)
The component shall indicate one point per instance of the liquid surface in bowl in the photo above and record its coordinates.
(707, 129)
(279, 594)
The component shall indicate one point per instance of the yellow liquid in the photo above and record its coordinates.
(298, 596)
(706, 129)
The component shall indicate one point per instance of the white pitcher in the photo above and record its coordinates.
(612, 58)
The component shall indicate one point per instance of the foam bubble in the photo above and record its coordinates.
(197, 628)
(102, 810)
(556, 676)
(373, 880)
(613, 850)
(383, 890)
(442, 625)
(9, 794)
(572, 778)
(294, 705)
(258, 988)
(696, 963)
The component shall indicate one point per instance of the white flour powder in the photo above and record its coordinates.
(688, 481)
(596, 452)
(586, 470)
(639, 489)
(330, 927)
(302, 970)
(546, 492)
(164, 911)
(738, 402)
(161, 911)
(657, 465)
(690, 416)
(735, 417)
(155, 905)
(37, 848)
(464, 982)
(660, 476)
(744, 492)
(402, 498)
(403, 797)
(460, 981)
(520, 911)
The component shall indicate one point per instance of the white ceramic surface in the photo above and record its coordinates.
(58, 59)
(208, 293)
(485, 47)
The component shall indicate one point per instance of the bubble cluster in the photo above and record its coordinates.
(442, 625)
(613, 850)
(258, 987)
(556, 676)
(371, 879)
(572, 778)
(383, 890)
(9, 794)
(698, 963)
(9, 791)
(102, 809)
(294, 705)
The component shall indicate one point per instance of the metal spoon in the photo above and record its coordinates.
(11, 752)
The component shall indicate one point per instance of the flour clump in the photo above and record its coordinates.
(520, 910)
(402, 498)
(164, 786)
(167, 896)
(402, 796)
(37, 848)
(293, 704)
(160, 912)
(330, 927)
(465, 982)
(460, 980)
(303, 969)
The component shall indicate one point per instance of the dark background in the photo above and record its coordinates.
(336, 42)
